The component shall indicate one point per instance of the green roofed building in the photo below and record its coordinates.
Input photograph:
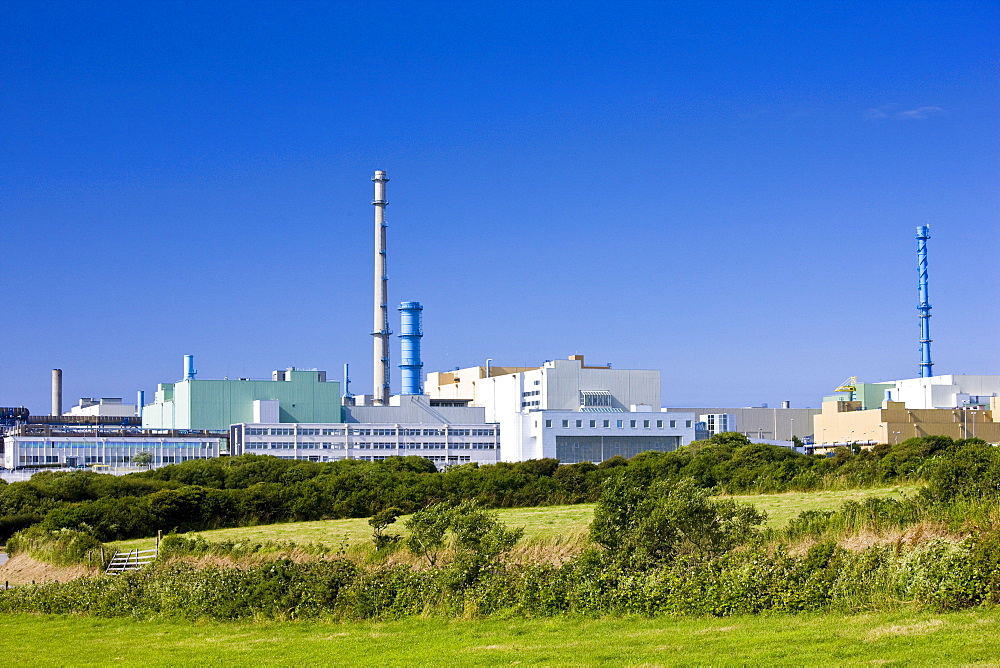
(292, 395)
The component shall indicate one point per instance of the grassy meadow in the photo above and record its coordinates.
(563, 524)
(893, 638)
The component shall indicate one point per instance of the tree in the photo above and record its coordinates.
(379, 522)
(142, 458)
(478, 537)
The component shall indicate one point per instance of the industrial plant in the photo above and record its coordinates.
(561, 408)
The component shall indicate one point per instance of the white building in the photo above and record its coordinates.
(948, 391)
(568, 392)
(104, 407)
(74, 446)
(409, 426)
(718, 423)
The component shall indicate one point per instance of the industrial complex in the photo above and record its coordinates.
(562, 408)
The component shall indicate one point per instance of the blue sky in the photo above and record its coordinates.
(726, 191)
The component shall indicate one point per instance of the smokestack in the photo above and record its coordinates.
(409, 344)
(380, 331)
(924, 307)
(57, 391)
(189, 371)
(140, 401)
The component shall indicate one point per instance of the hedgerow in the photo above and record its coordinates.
(256, 489)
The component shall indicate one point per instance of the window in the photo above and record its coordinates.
(281, 432)
(308, 432)
(565, 423)
(548, 423)
(433, 432)
(482, 432)
(659, 424)
(607, 423)
(361, 432)
(595, 398)
(673, 424)
(538, 382)
(256, 431)
(593, 423)
(687, 423)
(621, 424)
(645, 424)
(631, 423)
(579, 423)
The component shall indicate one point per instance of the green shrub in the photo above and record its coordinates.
(60, 547)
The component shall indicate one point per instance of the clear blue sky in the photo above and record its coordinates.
(726, 191)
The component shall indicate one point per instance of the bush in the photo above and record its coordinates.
(641, 527)
(61, 547)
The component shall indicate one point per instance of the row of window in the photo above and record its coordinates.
(134, 445)
(620, 424)
(533, 393)
(288, 445)
(120, 459)
(363, 431)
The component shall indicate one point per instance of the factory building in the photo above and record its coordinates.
(409, 426)
(758, 423)
(76, 441)
(292, 395)
(568, 410)
(947, 391)
(846, 422)
(105, 407)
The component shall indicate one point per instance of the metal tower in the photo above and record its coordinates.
(924, 307)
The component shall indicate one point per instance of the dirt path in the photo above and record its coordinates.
(22, 569)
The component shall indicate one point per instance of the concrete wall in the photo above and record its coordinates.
(766, 423)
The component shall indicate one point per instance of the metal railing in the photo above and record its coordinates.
(132, 560)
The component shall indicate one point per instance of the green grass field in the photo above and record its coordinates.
(545, 523)
(896, 638)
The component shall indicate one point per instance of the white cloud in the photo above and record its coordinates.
(879, 112)
(921, 113)
(889, 111)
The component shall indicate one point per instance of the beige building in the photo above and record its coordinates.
(460, 384)
(843, 422)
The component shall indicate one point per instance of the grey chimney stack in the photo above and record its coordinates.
(380, 330)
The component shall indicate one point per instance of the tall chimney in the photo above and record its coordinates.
(381, 332)
(57, 391)
(924, 307)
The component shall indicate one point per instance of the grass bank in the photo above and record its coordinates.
(896, 638)
(563, 524)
